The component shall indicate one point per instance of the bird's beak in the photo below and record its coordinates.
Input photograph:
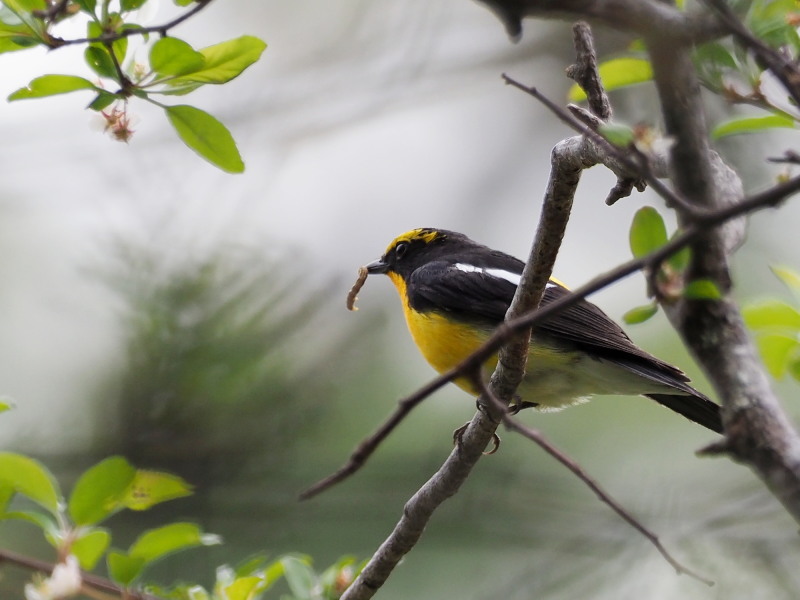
(377, 266)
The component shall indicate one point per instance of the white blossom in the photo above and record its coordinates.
(64, 582)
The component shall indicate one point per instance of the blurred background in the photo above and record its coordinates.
(194, 321)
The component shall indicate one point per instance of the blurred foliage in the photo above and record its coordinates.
(776, 324)
(30, 493)
(255, 576)
(225, 366)
(728, 69)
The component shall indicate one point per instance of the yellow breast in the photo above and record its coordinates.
(443, 342)
(555, 375)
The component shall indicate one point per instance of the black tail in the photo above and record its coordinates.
(696, 408)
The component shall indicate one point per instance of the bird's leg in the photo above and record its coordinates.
(519, 404)
(458, 433)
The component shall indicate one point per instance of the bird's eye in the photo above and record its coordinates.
(400, 250)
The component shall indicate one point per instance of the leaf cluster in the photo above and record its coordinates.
(648, 233)
(173, 67)
(776, 325)
(728, 69)
(73, 525)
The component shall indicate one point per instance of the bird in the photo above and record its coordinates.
(455, 292)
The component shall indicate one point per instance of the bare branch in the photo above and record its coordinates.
(757, 429)
(622, 162)
(584, 71)
(536, 437)
(88, 579)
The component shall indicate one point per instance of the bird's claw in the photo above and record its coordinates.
(458, 434)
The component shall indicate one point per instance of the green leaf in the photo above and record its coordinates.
(128, 5)
(679, 261)
(179, 90)
(51, 85)
(794, 365)
(775, 350)
(123, 568)
(339, 574)
(100, 61)
(23, 475)
(618, 134)
(251, 566)
(43, 521)
(87, 6)
(752, 125)
(617, 73)
(207, 136)
(6, 404)
(184, 2)
(789, 277)
(242, 588)
(299, 576)
(225, 60)
(640, 314)
(713, 61)
(118, 46)
(149, 488)
(16, 43)
(647, 233)
(774, 315)
(18, 6)
(272, 573)
(171, 56)
(767, 20)
(156, 543)
(35, 28)
(102, 100)
(101, 490)
(6, 494)
(702, 289)
(90, 547)
(17, 37)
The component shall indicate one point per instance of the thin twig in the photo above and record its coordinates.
(52, 12)
(585, 73)
(89, 579)
(365, 449)
(629, 161)
(162, 29)
(539, 439)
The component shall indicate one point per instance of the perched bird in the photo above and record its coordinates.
(455, 292)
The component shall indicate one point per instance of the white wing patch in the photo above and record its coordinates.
(499, 273)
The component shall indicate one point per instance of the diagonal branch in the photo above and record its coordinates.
(536, 437)
(90, 580)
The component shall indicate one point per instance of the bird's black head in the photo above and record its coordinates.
(411, 250)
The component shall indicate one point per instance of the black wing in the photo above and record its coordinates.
(471, 294)
(467, 295)
(477, 294)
